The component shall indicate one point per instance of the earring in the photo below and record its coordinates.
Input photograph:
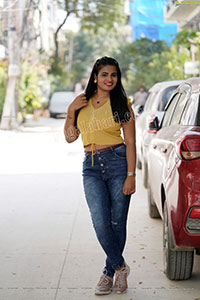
(95, 81)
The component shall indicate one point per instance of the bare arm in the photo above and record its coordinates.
(129, 137)
(70, 132)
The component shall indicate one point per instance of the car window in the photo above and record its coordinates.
(178, 110)
(189, 116)
(165, 97)
(149, 101)
(169, 110)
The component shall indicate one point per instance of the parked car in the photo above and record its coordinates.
(174, 179)
(157, 98)
(59, 103)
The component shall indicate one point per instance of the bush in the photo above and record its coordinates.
(59, 79)
(32, 87)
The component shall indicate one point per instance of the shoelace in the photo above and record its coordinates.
(103, 279)
(121, 278)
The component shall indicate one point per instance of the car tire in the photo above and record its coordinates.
(53, 115)
(139, 164)
(177, 264)
(153, 211)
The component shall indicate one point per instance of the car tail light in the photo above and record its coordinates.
(195, 213)
(193, 221)
(190, 148)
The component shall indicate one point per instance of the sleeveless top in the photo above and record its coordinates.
(97, 125)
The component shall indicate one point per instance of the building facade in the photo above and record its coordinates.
(147, 20)
(186, 15)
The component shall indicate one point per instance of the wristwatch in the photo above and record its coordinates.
(131, 174)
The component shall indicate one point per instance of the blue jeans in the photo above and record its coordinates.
(103, 183)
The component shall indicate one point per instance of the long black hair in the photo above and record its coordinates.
(118, 96)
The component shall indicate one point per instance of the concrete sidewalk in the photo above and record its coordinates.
(49, 250)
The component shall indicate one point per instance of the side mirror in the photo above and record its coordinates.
(154, 125)
(140, 109)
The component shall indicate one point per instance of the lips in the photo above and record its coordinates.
(108, 84)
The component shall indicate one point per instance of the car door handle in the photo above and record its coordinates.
(164, 150)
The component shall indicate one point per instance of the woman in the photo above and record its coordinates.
(109, 164)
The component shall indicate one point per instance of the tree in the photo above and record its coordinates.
(17, 27)
(183, 38)
(175, 64)
(87, 47)
(134, 59)
(79, 55)
(93, 15)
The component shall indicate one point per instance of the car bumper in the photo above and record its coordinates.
(188, 197)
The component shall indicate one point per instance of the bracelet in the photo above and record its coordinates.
(131, 174)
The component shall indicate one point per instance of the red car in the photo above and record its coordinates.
(174, 179)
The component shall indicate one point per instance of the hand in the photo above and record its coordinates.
(79, 102)
(129, 185)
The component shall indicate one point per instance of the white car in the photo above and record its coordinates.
(59, 103)
(157, 98)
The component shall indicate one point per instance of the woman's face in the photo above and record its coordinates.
(107, 78)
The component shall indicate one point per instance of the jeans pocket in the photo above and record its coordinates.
(120, 152)
(85, 158)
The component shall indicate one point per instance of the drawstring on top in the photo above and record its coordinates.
(101, 150)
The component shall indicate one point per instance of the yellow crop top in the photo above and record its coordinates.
(97, 125)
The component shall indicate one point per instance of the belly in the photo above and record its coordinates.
(89, 147)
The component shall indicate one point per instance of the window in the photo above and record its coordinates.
(149, 101)
(182, 101)
(166, 95)
(189, 116)
(169, 110)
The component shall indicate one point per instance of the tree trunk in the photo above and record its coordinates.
(57, 31)
(8, 120)
(56, 44)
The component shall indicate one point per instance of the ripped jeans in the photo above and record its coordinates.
(103, 183)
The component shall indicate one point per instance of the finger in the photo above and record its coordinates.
(84, 101)
(83, 96)
(84, 104)
(126, 192)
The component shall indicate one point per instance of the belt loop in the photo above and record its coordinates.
(111, 148)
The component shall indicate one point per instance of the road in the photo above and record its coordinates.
(48, 247)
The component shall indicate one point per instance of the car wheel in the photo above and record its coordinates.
(139, 164)
(177, 264)
(52, 115)
(153, 211)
